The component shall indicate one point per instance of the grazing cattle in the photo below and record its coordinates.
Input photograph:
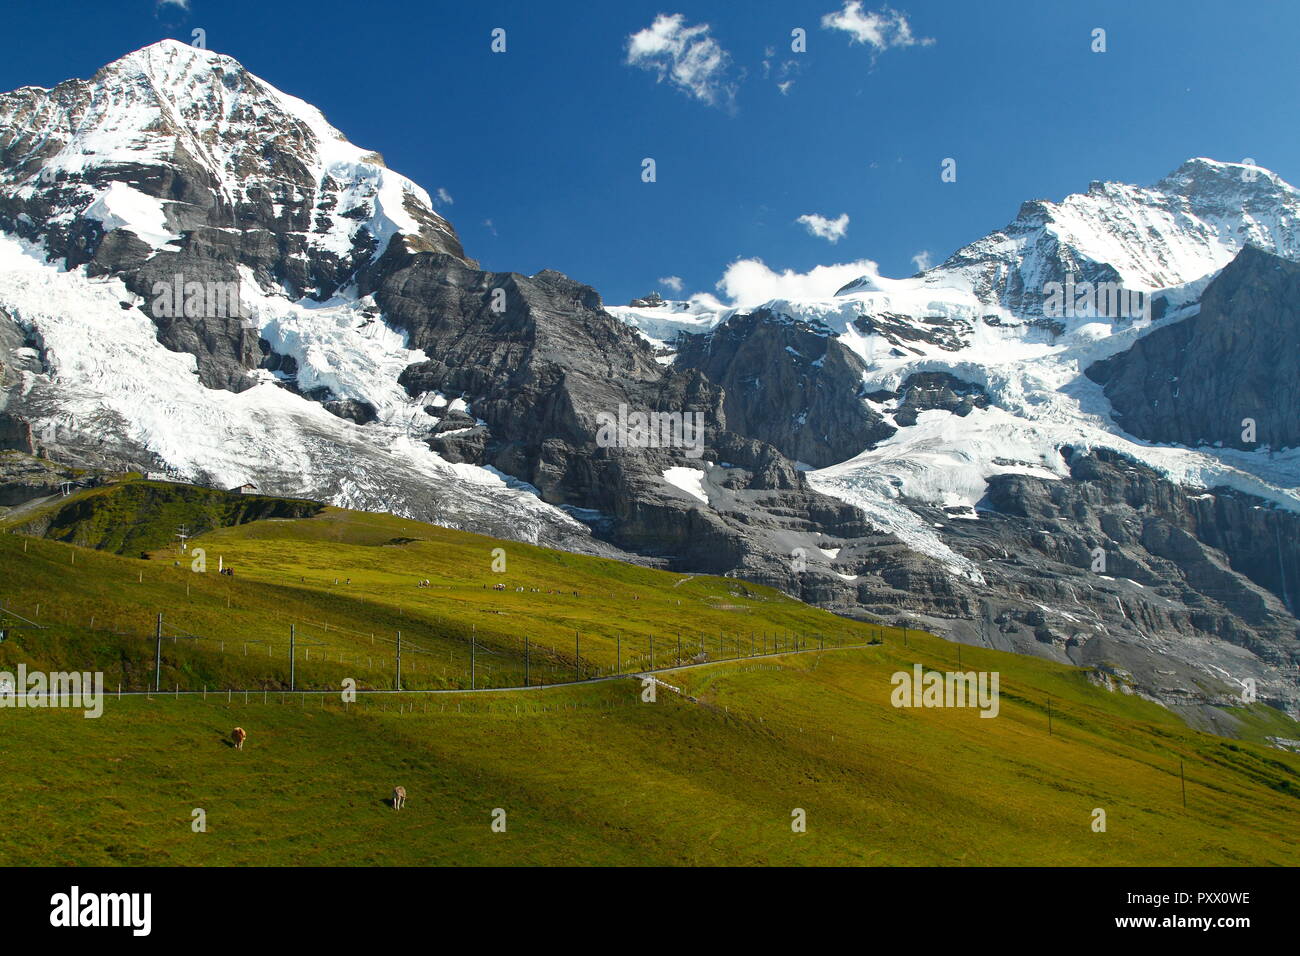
(239, 735)
(399, 797)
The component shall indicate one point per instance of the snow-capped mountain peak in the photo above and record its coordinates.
(186, 138)
(1184, 228)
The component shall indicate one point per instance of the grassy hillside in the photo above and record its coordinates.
(586, 773)
(134, 516)
(349, 582)
(591, 774)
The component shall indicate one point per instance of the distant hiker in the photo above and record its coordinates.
(399, 797)
(239, 735)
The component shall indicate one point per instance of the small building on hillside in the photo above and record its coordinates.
(247, 488)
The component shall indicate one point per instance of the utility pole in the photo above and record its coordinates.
(183, 532)
(293, 652)
(473, 652)
(618, 654)
(525, 661)
(157, 654)
(577, 657)
(399, 660)
(652, 652)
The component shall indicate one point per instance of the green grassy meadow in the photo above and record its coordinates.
(591, 774)
(586, 773)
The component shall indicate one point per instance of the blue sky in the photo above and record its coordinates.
(541, 147)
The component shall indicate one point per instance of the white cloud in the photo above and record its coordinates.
(443, 197)
(749, 282)
(676, 283)
(921, 260)
(782, 71)
(686, 56)
(183, 4)
(878, 29)
(832, 230)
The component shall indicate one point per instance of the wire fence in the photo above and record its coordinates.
(314, 656)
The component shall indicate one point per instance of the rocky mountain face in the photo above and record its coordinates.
(1135, 560)
(924, 449)
(539, 372)
(789, 383)
(1236, 361)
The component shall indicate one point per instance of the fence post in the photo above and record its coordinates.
(157, 655)
(293, 636)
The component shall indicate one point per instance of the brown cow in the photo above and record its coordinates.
(239, 735)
